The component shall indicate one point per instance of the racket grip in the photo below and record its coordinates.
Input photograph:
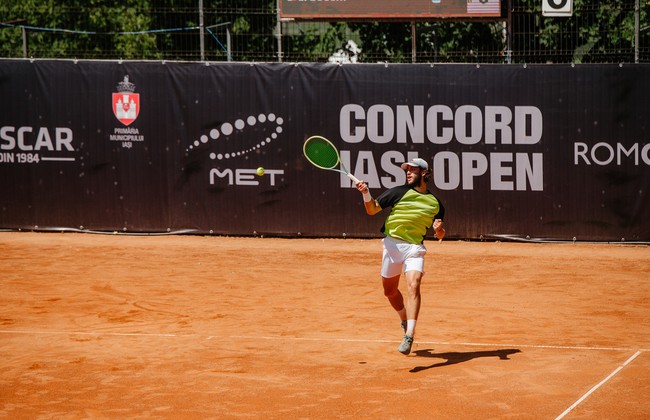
(353, 178)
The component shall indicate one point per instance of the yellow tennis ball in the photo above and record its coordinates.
(260, 171)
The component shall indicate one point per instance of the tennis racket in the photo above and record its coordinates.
(324, 155)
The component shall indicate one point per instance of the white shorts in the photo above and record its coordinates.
(400, 254)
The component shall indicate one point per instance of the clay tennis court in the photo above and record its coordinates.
(115, 326)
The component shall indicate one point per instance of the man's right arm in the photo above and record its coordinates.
(372, 207)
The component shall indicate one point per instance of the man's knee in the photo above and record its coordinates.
(391, 293)
(414, 291)
(413, 281)
(391, 287)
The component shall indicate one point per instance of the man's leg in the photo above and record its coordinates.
(394, 296)
(413, 279)
(413, 299)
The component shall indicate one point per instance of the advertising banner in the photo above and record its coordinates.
(547, 152)
(383, 9)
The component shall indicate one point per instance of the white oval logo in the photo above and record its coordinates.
(227, 129)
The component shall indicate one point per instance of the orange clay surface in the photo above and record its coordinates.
(113, 326)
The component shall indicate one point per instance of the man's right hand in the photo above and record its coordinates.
(362, 187)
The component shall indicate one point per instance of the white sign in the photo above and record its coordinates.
(557, 8)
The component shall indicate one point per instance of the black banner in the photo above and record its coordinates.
(551, 152)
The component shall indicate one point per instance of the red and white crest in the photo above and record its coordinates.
(126, 104)
(126, 107)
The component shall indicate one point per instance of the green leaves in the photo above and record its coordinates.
(597, 32)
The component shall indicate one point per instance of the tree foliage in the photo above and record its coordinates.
(76, 28)
(134, 29)
(597, 32)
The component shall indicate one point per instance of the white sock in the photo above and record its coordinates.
(410, 327)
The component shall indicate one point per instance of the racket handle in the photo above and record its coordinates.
(353, 178)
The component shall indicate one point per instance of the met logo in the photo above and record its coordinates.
(265, 129)
(245, 176)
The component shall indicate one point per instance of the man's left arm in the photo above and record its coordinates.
(438, 227)
(438, 223)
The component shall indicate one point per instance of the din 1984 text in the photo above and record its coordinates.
(10, 157)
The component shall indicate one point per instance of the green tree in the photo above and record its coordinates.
(462, 42)
(76, 28)
(597, 32)
(251, 26)
(436, 40)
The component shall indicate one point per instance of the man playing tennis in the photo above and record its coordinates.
(414, 211)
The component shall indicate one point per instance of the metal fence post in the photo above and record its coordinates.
(279, 30)
(228, 48)
(413, 43)
(201, 40)
(637, 18)
(509, 34)
(24, 42)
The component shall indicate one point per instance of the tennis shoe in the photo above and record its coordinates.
(403, 324)
(405, 347)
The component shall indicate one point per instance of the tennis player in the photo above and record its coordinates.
(413, 211)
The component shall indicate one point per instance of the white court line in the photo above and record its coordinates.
(441, 343)
(530, 346)
(330, 339)
(88, 333)
(611, 375)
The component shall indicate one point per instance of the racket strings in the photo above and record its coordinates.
(322, 154)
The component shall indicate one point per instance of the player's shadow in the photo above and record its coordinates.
(453, 358)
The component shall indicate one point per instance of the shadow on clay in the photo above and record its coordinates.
(453, 358)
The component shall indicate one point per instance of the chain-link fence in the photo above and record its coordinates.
(597, 32)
